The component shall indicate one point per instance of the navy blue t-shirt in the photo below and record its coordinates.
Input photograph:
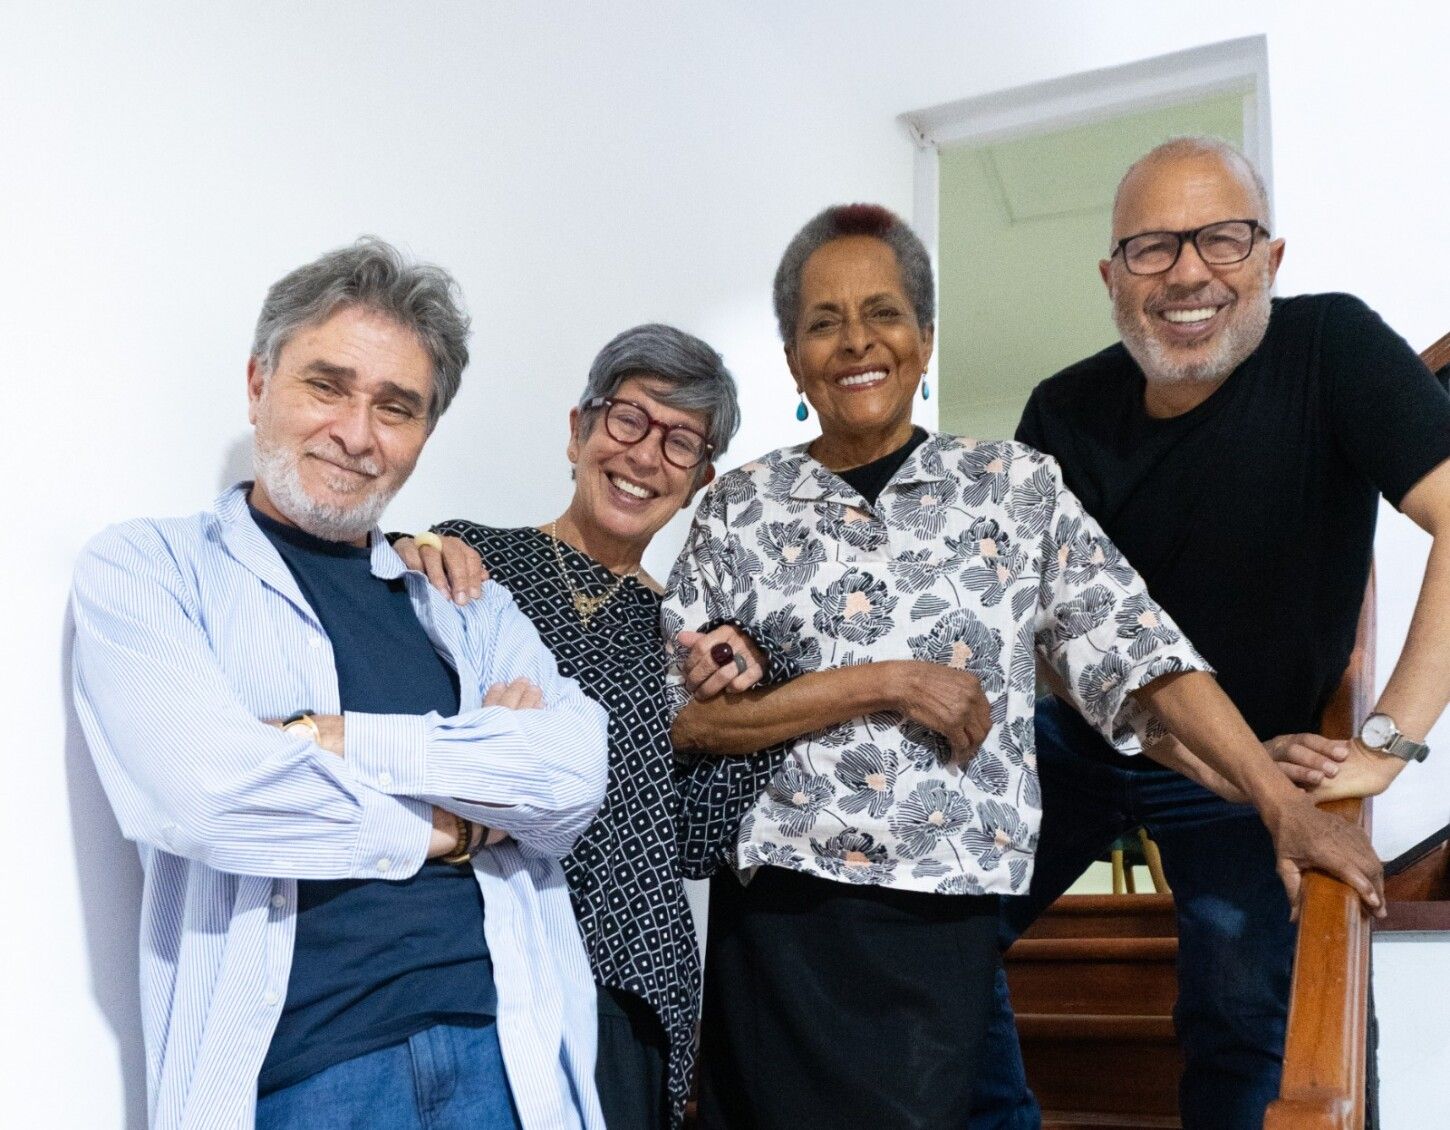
(375, 960)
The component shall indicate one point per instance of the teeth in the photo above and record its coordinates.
(630, 488)
(863, 378)
(1202, 314)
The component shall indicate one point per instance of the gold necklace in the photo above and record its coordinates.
(585, 605)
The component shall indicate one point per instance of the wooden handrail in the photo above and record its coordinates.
(1438, 355)
(1324, 1053)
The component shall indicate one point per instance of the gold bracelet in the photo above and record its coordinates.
(463, 847)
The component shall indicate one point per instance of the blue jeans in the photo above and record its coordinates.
(1235, 941)
(448, 1077)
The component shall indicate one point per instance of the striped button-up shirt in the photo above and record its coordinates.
(189, 633)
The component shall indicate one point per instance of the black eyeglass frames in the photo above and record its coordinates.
(1219, 244)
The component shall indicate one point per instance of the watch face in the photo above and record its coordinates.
(1377, 731)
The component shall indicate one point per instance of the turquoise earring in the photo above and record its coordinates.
(801, 411)
(925, 388)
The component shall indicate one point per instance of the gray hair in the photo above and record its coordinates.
(837, 222)
(1200, 145)
(372, 274)
(696, 375)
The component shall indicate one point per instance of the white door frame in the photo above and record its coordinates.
(1233, 66)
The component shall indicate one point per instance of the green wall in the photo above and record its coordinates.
(1023, 224)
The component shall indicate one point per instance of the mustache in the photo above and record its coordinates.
(1211, 293)
(361, 466)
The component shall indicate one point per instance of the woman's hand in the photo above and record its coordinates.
(1307, 759)
(457, 571)
(705, 678)
(943, 699)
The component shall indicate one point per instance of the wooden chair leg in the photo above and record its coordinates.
(1154, 858)
(1120, 881)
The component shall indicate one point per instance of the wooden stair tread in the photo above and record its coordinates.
(1087, 1120)
(1099, 1027)
(1093, 949)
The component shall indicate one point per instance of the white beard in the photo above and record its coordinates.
(277, 471)
(1217, 361)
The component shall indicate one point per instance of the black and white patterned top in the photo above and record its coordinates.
(975, 556)
(624, 872)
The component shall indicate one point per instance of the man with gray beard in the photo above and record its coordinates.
(1234, 447)
(350, 795)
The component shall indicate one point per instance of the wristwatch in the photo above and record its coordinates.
(1380, 734)
(303, 723)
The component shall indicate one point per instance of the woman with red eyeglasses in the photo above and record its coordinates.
(659, 407)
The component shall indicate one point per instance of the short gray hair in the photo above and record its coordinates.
(1200, 145)
(373, 275)
(696, 375)
(837, 222)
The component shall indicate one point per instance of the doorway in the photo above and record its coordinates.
(1014, 194)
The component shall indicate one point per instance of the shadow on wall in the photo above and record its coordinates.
(237, 463)
(108, 875)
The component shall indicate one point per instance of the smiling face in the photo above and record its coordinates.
(625, 493)
(339, 423)
(858, 352)
(1193, 322)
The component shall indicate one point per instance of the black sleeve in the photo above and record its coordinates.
(1029, 428)
(1389, 414)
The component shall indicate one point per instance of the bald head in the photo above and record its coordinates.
(1146, 174)
(1191, 323)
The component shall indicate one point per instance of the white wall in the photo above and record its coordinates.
(580, 170)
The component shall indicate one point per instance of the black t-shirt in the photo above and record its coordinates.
(870, 479)
(375, 960)
(1252, 516)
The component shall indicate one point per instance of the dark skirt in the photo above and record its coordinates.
(833, 1005)
(631, 1067)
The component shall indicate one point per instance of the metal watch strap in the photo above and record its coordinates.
(1407, 749)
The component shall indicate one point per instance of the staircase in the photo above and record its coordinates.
(1093, 984)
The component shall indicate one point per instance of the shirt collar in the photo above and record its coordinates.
(252, 547)
(811, 481)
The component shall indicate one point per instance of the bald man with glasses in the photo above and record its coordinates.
(1234, 447)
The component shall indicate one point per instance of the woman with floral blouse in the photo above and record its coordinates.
(897, 589)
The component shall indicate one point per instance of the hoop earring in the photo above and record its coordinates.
(801, 411)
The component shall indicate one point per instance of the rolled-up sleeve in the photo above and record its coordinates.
(186, 767)
(1098, 627)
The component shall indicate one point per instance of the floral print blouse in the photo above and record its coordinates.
(976, 556)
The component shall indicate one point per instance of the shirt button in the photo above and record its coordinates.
(271, 998)
(314, 641)
(384, 863)
(279, 901)
(385, 779)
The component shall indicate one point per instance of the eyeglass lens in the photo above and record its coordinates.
(629, 424)
(1218, 245)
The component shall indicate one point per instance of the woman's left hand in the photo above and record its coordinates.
(705, 678)
(457, 570)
